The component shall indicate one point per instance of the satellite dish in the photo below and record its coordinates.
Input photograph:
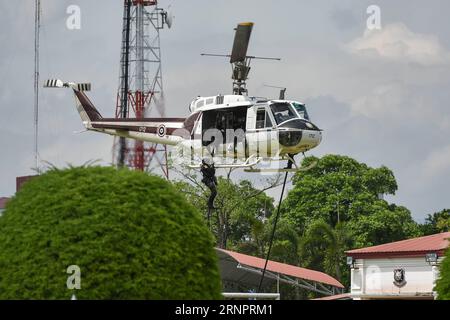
(169, 18)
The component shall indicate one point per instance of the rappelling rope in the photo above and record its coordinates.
(273, 233)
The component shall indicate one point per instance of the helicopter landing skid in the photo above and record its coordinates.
(287, 169)
(255, 170)
(250, 162)
(271, 170)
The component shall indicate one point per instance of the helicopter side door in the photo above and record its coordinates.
(223, 131)
(261, 132)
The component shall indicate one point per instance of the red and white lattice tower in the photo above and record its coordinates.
(141, 87)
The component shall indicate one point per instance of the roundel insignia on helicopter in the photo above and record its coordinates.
(162, 131)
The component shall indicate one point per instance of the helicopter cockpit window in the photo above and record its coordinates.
(282, 112)
(260, 118)
(301, 109)
(263, 119)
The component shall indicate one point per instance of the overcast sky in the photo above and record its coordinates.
(381, 96)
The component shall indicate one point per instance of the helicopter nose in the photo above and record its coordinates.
(311, 139)
(300, 140)
(299, 135)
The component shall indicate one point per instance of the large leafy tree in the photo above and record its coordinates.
(437, 222)
(243, 219)
(338, 205)
(388, 223)
(340, 189)
(286, 243)
(241, 210)
(323, 247)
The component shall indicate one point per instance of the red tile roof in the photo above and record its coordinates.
(282, 268)
(3, 202)
(412, 247)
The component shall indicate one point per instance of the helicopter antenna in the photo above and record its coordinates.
(282, 90)
(239, 59)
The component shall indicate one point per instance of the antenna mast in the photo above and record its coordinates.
(140, 87)
(37, 27)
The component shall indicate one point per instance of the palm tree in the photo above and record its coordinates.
(323, 248)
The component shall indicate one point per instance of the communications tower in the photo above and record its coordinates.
(140, 82)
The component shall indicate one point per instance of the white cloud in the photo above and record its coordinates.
(395, 42)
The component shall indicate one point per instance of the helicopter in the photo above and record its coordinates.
(234, 130)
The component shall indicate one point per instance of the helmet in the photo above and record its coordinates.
(207, 161)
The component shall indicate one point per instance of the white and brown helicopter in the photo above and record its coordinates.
(236, 131)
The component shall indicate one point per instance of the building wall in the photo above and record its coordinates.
(372, 278)
(3, 202)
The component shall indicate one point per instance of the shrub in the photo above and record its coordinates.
(132, 235)
(443, 283)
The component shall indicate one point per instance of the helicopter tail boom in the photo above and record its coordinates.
(157, 130)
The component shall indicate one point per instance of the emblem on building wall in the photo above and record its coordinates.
(399, 277)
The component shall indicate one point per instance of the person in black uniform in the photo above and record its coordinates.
(209, 179)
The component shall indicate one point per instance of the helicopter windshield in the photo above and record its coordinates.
(301, 109)
(282, 112)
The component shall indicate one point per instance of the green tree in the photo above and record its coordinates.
(240, 207)
(335, 206)
(337, 189)
(443, 283)
(340, 189)
(437, 222)
(285, 243)
(388, 223)
(338, 205)
(323, 247)
(240, 210)
(132, 235)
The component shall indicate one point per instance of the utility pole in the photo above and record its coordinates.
(37, 27)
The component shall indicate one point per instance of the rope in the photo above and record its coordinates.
(273, 233)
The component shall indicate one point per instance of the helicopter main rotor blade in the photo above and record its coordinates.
(241, 40)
